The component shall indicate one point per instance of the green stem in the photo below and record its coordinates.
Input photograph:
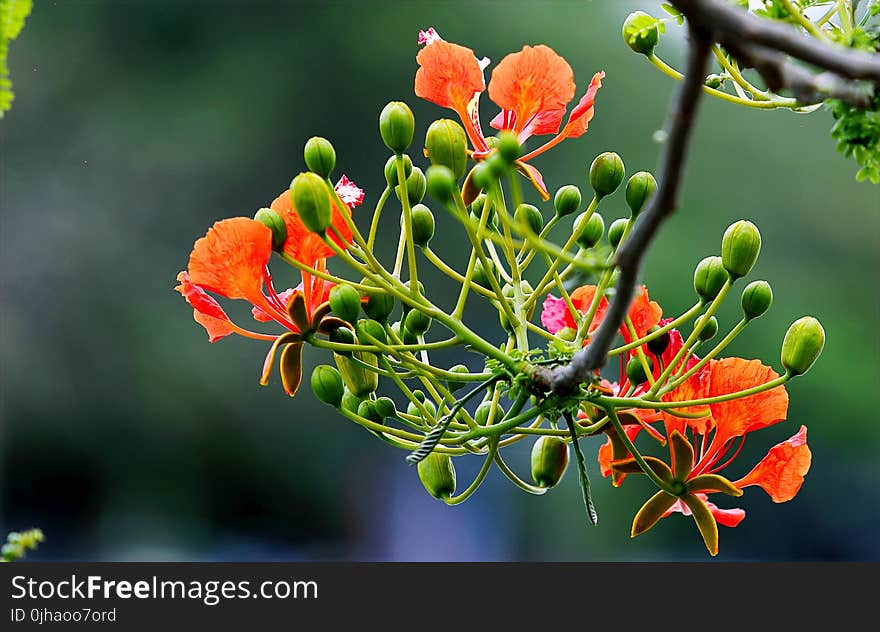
(377, 212)
(714, 352)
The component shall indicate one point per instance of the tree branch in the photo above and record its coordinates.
(733, 25)
(565, 379)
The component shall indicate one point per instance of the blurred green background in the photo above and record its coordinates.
(126, 436)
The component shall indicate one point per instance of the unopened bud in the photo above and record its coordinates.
(567, 200)
(659, 344)
(417, 322)
(606, 173)
(616, 230)
(274, 222)
(437, 475)
(320, 156)
(639, 189)
(311, 199)
(447, 144)
(378, 305)
(423, 221)
(549, 460)
(530, 216)
(453, 384)
(397, 126)
(708, 328)
(327, 385)
(358, 378)
(369, 330)
(508, 147)
(483, 275)
(589, 230)
(641, 32)
(391, 170)
(709, 277)
(802, 345)
(756, 299)
(441, 183)
(635, 372)
(416, 185)
(740, 247)
(345, 302)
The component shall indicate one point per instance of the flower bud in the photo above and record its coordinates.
(740, 247)
(508, 147)
(709, 277)
(802, 345)
(441, 183)
(478, 204)
(714, 81)
(320, 156)
(311, 201)
(446, 144)
(385, 408)
(345, 302)
(350, 402)
(417, 322)
(437, 475)
(416, 185)
(427, 404)
(616, 230)
(391, 170)
(549, 460)
(641, 32)
(378, 305)
(422, 222)
(639, 189)
(369, 330)
(659, 344)
(606, 173)
(274, 222)
(359, 379)
(528, 215)
(567, 200)
(367, 410)
(756, 299)
(567, 333)
(635, 372)
(454, 385)
(589, 229)
(343, 336)
(481, 415)
(481, 176)
(327, 385)
(482, 276)
(397, 126)
(707, 330)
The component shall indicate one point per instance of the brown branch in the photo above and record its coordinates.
(731, 24)
(565, 379)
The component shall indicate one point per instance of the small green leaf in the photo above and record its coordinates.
(675, 13)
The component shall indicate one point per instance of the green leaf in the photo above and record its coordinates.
(582, 472)
(671, 10)
(12, 17)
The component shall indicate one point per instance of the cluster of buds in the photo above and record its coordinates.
(380, 327)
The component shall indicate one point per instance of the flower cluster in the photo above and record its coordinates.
(667, 386)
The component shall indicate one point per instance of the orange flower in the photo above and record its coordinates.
(532, 87)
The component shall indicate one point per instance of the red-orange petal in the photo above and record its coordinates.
(644, 313)
(230, 259)
(206, 311)
(448, 75)
(739, 416)
(534, 80)
(781, 473)
(582, 114)
(695, 387)
(217, 328)
(724, 517)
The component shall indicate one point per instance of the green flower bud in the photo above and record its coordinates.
(447, 145)
(427, 404)
(709, 277)
(756, 299)
(452, 384)
(437, 475)
(549, 460)
(274, 222)
(416, 322)
(530, 216)
(606, 173)
(345, 302)
(416, 185)
(320, 156)
(482, 276)
(802, 345)
(616, 230)
(641, 32)
(658, 345)
(567, 333)
(397, 126)
(635, 372)
(589, 230)
(358, 379)
(491, 220)
(708, 330)
(441, 183)
(508, 147)
(422, 221)
(420, 395)
(639, 189)
(567, 200)
(481, 416)
(378, 305)
(740, 247)
(391, 170)
(714, 81)
(327, 385)
(481, 175)
(478, 203)
(497, 167)
(369, 329)
(350, 402)
(343, 336)
(367, 410)
(311, 199)
(385, 408)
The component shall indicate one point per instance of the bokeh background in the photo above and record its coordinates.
(126, 436)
